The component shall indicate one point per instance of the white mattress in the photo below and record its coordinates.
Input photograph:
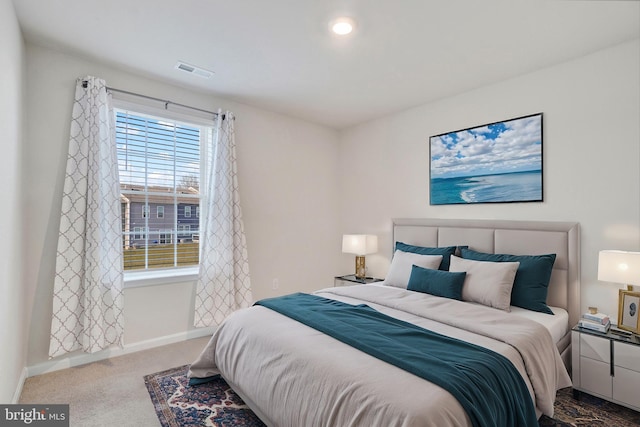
(558, 324)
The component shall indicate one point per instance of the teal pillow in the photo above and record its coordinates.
(445, 251)
(532, 278)
(436, 282)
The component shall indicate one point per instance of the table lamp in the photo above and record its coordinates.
(360, 245)
(619, 267)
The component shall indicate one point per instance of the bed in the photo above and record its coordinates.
(291, 374)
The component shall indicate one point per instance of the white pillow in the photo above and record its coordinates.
(487, 282)
(400, 269)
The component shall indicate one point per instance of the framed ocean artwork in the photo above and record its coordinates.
(499, 162)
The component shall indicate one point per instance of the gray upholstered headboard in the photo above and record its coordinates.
(509, 237)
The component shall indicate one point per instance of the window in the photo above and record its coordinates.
(197, 211)
(165, 237)
(139, 233)
(159, 165)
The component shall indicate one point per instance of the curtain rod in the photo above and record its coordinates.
(165, 101)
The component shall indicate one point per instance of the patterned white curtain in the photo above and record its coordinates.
(87, 298)
(223, 284)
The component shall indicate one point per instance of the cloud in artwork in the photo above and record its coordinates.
(504, 147)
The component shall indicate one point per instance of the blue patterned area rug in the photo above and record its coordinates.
(215, 404)
(210, 404)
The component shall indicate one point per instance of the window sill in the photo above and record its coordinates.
(136, 279)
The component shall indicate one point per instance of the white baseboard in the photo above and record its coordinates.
(78, 358)
(21, 380)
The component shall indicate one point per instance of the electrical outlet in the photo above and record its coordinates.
(275, 284)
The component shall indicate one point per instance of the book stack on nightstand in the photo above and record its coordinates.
(595, 321)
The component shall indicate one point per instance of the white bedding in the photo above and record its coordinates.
(293, 375)
(557, 325)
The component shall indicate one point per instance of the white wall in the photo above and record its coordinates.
(288, 184)
(591, 124)
(13, 331)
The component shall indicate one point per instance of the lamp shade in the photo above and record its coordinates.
(619, 267)
(359, 244)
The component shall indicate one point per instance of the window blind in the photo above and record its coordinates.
(159, 166)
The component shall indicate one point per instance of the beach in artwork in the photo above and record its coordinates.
(505, 187)
(496, 163)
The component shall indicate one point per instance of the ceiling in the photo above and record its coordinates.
(279, 55)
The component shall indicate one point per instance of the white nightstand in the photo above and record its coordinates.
(351, 279)
(607, 366)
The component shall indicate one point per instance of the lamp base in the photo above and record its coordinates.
(360, 268)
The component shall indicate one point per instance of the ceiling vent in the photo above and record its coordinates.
(192, 69)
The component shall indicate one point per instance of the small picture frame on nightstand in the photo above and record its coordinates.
(628, 307)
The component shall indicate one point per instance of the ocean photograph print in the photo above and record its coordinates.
(499, 162)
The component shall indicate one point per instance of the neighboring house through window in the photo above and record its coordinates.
(159, 163)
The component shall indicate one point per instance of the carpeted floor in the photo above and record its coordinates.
(216, 404)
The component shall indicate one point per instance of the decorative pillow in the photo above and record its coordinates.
(532, 278)
(487, 283)
(400, 269)
(445, 251)
(435, 282)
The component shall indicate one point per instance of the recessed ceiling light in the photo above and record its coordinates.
(342, 26)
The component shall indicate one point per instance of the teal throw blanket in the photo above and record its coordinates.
(486, 384)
